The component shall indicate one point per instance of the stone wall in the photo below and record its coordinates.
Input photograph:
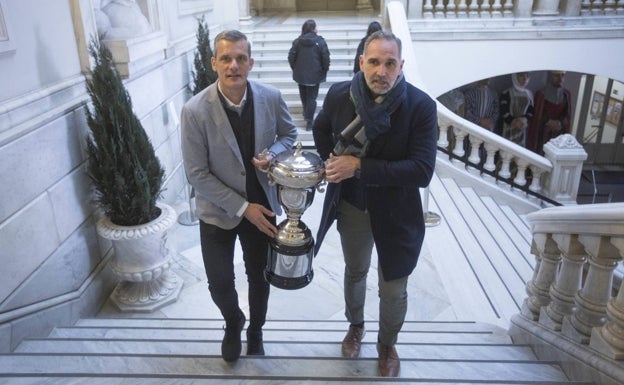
(54, 266)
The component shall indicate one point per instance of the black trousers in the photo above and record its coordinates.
(218, 252)
(308, 95)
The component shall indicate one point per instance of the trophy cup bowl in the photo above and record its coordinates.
(298, 174)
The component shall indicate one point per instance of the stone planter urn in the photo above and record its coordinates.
(142, 262)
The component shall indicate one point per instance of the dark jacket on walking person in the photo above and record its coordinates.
(373, 27)
(309, 60)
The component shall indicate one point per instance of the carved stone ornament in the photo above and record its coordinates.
(565, 141)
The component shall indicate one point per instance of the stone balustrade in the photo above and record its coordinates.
(577, 249)
(439, 9)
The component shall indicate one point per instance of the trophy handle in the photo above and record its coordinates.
(320, 187)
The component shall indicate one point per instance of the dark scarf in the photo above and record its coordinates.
(373, 116)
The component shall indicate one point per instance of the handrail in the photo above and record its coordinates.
(396, 20)
(605, 219)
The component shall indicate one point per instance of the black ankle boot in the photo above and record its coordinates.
(255, 346)
(231, 345)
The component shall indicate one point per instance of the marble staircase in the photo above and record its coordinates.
(270, 46)
(175, 351)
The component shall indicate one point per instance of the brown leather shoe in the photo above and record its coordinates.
(352, 342)
(389, 363)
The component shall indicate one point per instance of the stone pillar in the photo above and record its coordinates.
(567, 157)
(571, 8)
(546, 8)
(523, 8)
(244, 17)
(414, 9)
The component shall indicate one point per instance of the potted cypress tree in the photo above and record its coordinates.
(203, 76)
(127, 178)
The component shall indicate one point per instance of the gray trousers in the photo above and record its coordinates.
(357, 245)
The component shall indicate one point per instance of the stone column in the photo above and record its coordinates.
(546, 8)
(567, 157)
(571, 8)
(244, 17)
(523, 8)
(414, 9)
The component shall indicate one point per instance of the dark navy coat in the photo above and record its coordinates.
(309, 59)
(398, 164)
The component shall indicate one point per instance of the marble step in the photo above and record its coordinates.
(145, 380)
(278, 368)
(322, 325)
(272, 348)
(216, 334)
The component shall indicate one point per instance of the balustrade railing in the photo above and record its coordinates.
(571, 305)
(458, 9)
(577, 249)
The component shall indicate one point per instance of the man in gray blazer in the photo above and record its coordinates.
(224, 128)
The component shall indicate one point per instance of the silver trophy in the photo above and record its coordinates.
(298, 174)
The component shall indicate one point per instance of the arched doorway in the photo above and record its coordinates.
(326, 5)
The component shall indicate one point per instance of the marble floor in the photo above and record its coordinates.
(322, 299)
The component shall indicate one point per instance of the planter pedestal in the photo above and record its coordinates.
(142, 262)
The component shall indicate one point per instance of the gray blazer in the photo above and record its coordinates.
(212, 159)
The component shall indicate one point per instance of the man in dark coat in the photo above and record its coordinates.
(377, 134)
(309, 60)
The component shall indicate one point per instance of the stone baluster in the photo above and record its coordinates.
(490, 151)
(486, 9)
(619, 9)
(586, 7)
(443, 136)
(473, 9)
(536, 183)
(591, 300)
(538, 288)
(568, 281)
(428, 9)
(497, 9)
(475, 153)
(596, 7)
(609, 7)
(508, 8)
(439, 10)
(451, 10)
(609, 339)
(461, 9)
(520, 178)
(505, 171)
(459, 146)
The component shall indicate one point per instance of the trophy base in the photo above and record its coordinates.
(289, 268)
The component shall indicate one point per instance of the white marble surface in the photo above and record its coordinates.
(322, 299)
